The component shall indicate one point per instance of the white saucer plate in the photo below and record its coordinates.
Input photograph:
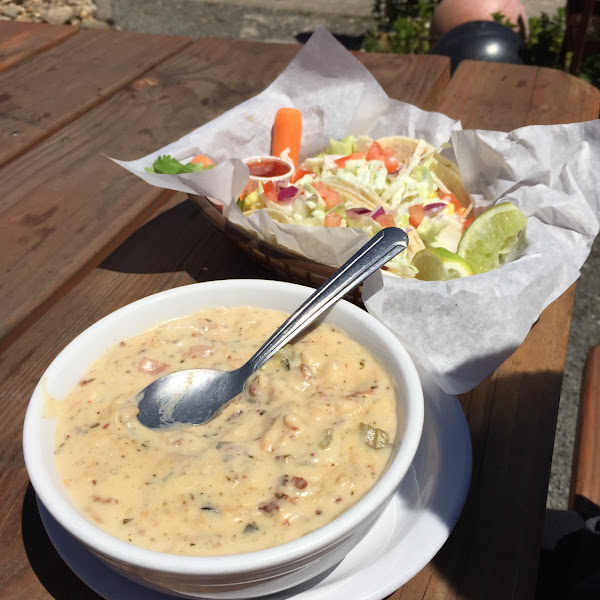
(406, 537)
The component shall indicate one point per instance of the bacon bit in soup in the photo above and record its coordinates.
(102, 500)
(270, 507)
(200, 351)
(299, 482)
(148, 365)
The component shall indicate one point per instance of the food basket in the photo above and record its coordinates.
(288, 265)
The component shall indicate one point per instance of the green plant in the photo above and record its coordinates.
(546, 34)
(590, 69)
(403, 26)
(504, 20)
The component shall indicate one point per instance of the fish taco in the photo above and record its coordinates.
(370, 184)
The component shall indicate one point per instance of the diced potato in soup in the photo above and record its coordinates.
(307, 438)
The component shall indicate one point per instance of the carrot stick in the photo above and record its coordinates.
(287, 132)
(205, 161)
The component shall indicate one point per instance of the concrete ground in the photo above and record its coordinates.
(264, 20)
(292, 21)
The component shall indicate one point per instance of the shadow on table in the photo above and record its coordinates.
(60, 582)
(350, 42)
(180, 239)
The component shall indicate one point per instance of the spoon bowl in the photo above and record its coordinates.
(197, 395)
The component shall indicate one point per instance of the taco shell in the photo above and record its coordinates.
(354, 194)
(408, 149)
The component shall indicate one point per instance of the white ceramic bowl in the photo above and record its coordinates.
(243, 575)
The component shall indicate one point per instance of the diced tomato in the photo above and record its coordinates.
(330, 197)
(205, 161)
(332, 219)
(375, 152)
(385, 220)
(299, 174)
(269, 191)
(467, 223)
(415, 215)
(391, 163)
(341, 162)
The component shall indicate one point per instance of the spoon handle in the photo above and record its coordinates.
(373, 255)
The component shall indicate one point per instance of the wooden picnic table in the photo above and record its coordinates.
(81, 237)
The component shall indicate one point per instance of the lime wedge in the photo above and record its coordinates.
(439, 264)
(491, 236)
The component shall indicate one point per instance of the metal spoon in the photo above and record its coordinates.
(196, 395)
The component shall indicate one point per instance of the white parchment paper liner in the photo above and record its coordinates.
(458, 331)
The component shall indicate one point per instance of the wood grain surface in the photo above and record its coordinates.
(503, 97)
(80, 237)
(63, 217)
(55, 87)
(19, 41)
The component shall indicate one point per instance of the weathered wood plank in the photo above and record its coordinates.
(504, 97)
(19, 41)
(46, 227)
(558, 101)
(55, 87)
(412, 78)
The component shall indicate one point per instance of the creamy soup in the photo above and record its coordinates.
(307, 438)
